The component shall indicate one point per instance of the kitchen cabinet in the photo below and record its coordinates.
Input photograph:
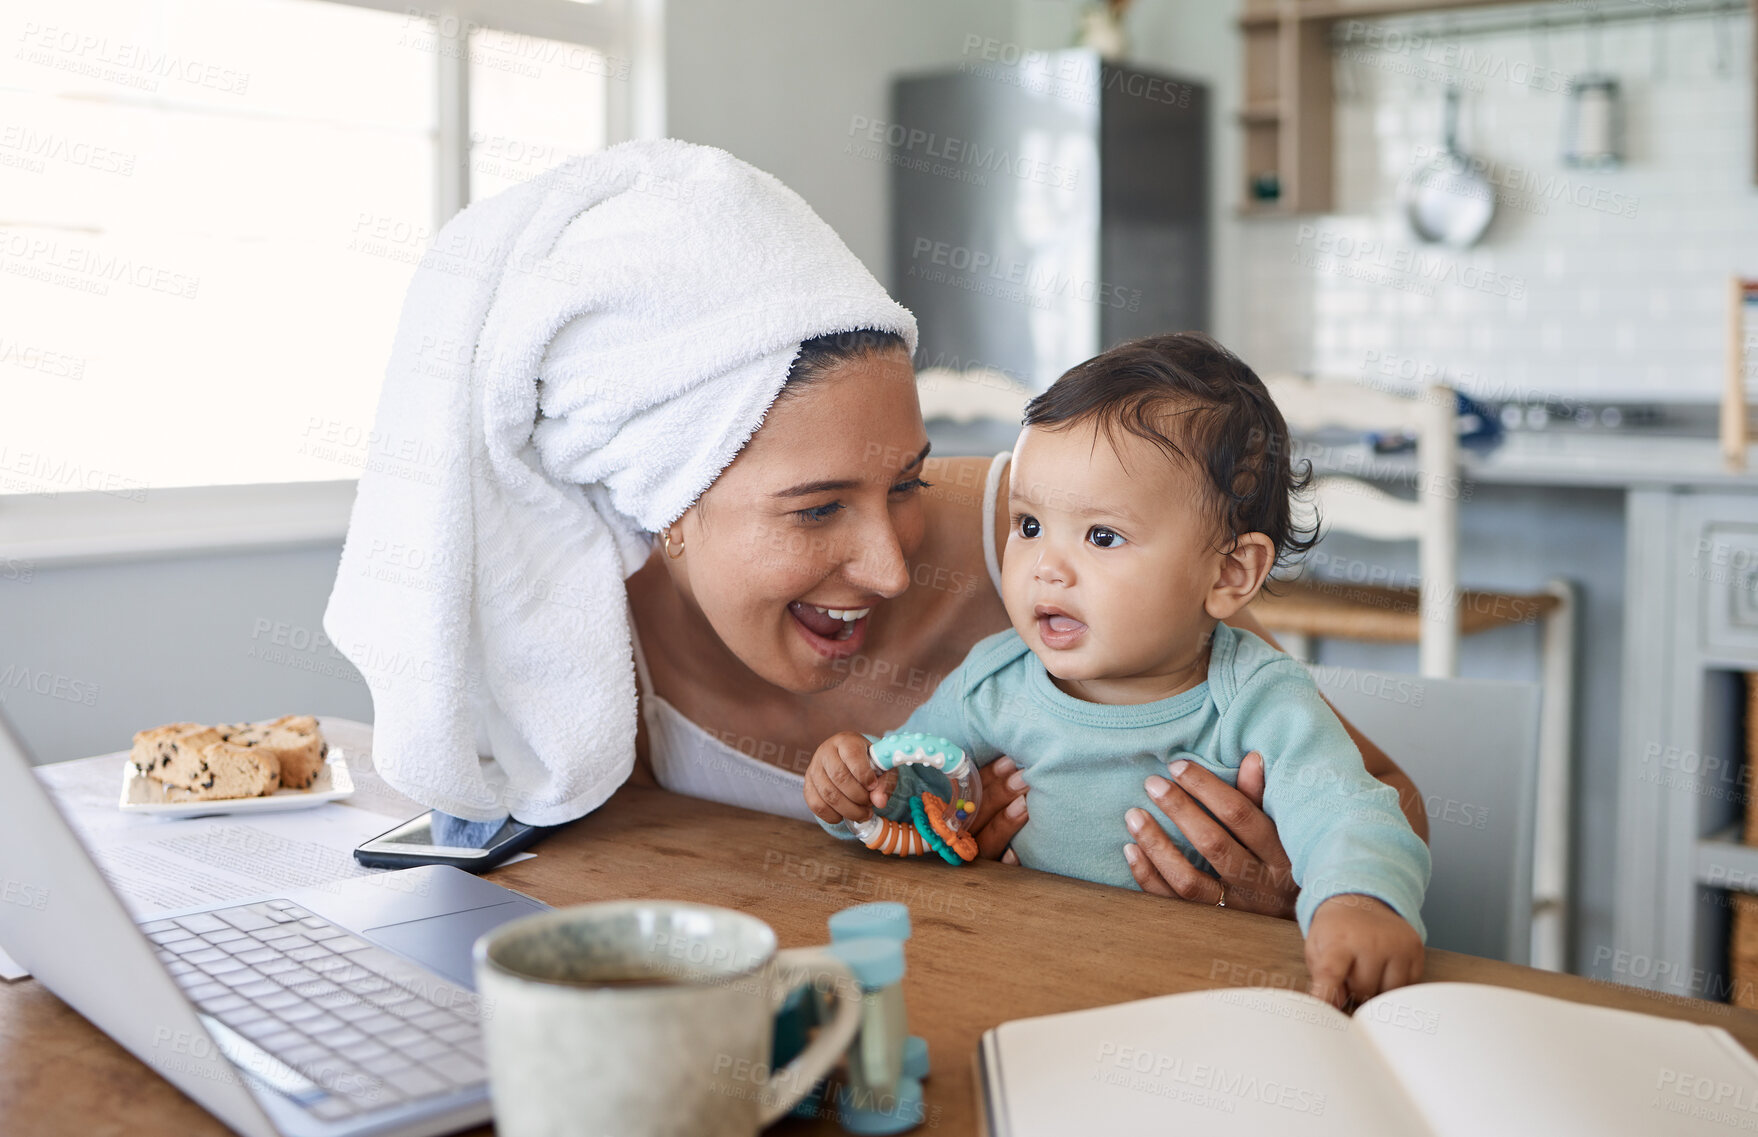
(1692, 605)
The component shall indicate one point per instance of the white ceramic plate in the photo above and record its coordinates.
(140, 794)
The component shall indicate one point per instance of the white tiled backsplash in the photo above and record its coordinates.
(1589, 283)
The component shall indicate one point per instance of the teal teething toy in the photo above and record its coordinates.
(936, 825)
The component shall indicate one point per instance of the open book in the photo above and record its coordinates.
(1434, 1058)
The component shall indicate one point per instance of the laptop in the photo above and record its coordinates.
(339, 1009)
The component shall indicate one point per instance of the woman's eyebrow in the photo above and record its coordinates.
(805, 488)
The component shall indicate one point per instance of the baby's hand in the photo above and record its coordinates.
(1358, 947)
(841, 783)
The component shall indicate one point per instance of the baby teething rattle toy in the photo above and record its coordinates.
(936, 825)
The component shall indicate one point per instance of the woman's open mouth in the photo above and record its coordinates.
(833, 632)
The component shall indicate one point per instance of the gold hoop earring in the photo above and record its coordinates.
(668, 552)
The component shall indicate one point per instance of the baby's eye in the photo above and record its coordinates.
(1105, 538)
(1028, 525)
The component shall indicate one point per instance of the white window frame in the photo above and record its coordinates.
(82, 527)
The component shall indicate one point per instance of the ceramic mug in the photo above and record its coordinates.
(644, 1018)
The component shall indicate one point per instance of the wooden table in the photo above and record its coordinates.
(991, 943)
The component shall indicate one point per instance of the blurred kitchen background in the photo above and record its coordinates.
(209, 210)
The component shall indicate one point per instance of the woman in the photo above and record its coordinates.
(665, 443)
(738, 688)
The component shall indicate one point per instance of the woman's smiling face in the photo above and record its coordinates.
(821, 510)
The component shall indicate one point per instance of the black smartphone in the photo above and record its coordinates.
(437, 838)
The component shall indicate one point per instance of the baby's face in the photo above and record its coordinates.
(1110, 555)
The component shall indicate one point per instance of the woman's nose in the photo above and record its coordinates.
(878, 563)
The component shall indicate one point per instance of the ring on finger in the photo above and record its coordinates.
(1222, 903)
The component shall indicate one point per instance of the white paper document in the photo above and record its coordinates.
(159, 865)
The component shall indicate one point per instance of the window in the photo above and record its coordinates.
(534, 103)
(210, 210)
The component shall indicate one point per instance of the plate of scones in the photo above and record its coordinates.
(186, 769)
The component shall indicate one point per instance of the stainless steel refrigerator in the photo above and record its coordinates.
(1045, 208)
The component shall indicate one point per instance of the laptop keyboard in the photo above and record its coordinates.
(339, 1025)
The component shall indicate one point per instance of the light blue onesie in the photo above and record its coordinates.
(1085, 764)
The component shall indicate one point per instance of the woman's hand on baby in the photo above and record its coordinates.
(841, 783)
(1235, 835)
(1002, 813)
(1358, 947)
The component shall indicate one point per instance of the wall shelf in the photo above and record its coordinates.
(1287, 50)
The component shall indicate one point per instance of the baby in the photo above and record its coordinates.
(1149, 499)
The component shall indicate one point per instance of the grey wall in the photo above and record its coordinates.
(782, 83)
(90, 654)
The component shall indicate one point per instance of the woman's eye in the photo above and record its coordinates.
(825, 512)
(1104, 538)
(1028, 526)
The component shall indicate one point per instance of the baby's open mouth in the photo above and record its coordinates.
(1056, 627)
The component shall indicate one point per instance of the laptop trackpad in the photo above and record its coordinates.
(443, 943)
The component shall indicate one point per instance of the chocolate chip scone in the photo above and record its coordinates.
(294, 740)
(157, 747)
(196, 763)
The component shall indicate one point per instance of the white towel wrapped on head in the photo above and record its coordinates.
(587, 351)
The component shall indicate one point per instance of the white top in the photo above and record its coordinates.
(688, 759)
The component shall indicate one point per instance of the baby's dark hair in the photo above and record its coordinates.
(1227, 427)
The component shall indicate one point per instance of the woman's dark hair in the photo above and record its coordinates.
(818, 356)
(1227, 427)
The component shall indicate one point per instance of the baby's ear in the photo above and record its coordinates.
(1243, 570)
